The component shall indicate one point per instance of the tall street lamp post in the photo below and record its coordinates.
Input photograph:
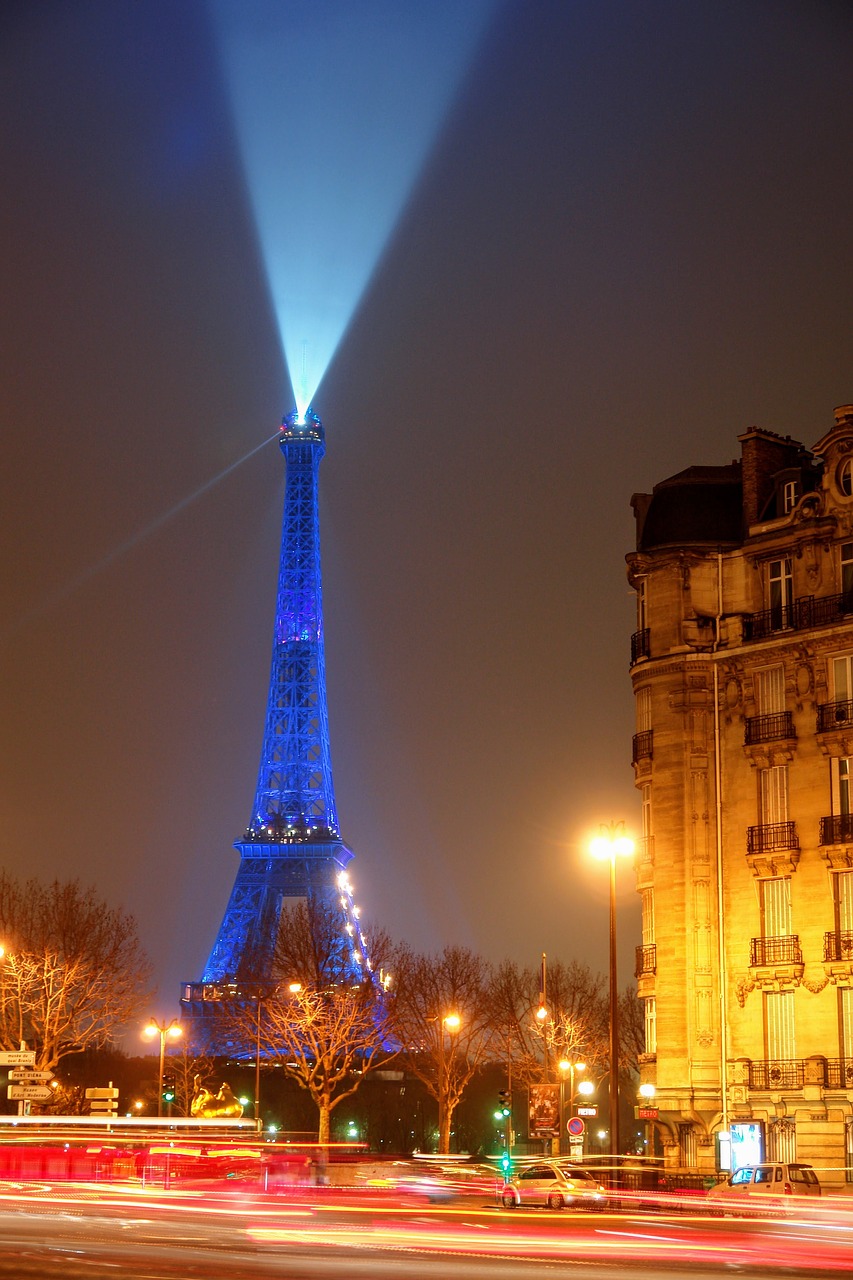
(162, 1029)
(449, 1022)
(565, 1065)
(610, 844)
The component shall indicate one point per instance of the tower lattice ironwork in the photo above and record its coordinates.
(292, 847)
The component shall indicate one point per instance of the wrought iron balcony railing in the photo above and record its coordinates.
(783, 617)
(822, 611)
(835, 715)
(810, 611)
(639, 645)
(646, 960)
(770, 728)
(836, 830)
(641, 746)
(839, 1073)
(777, 1075)
(838, 945)
(771, 837)
(779, 950)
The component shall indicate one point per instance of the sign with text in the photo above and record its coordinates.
(102, 1093)
(587, 1111)
(22, 1074)
(647, 1113)
(29, 1092)
(17, 1058)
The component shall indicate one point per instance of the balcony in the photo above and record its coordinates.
(835, 715)
(771, 952)
(771, 837)
(839, 1073)
(772, 1075)
(836, 830)
(838, 945)
(800, 615)
(640, 645)
(771, 728)
(641, 746)
(758, 626)
(646, 961)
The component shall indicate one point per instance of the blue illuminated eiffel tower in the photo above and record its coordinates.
(292, 847)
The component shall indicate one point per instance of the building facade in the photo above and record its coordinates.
(742, 669)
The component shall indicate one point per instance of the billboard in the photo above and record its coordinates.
(544, 1110)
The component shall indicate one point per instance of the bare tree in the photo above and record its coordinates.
(325, 1017)
(574, 1027)
(632, 1031)
(445, 1023)
(73, 969)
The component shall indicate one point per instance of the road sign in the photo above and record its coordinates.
(587, 1111)
(17, 1058)
(103, 1104)
(28, 1075)
(101, 1093)
(29, 1092)
(575, 1126)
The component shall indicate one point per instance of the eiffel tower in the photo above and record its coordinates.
(292, 847)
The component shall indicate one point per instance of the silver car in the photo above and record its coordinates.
(556, 1185)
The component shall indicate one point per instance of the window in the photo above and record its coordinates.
(843, 901)
(642, 610)
(650, 1020)
(847, 571)
(845, 477)
(782, 1142)
(770, 690)
(779, 1026)
(845, 1009)
(842, 677)
(780, 591)
(647, 900)
(644, 710)
(776, 907)
(789, 496)
(773, 795)
(646, 813)
(839, 785)
(688, 1144)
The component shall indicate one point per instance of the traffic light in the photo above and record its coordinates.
(168, 1088)
(504, 1104)
(505, 1164)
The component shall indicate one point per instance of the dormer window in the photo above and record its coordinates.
(845, 477)
(790, 495)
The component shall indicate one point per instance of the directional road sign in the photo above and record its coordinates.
(27, 1075)
(18, 1058)
(29, 1092)
(103, 1104)
(102, 1093)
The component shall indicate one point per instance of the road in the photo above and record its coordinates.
(84, 1233)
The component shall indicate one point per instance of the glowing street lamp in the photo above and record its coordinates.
(610, 844)
(450, 1022)
(171, 1029)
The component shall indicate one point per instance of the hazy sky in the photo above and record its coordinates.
(630, 241)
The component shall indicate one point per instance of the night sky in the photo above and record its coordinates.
(630, 241)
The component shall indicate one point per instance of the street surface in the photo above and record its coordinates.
(87, 1232)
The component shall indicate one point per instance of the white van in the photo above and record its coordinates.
(769, 1185)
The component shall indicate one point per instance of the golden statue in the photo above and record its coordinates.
(209, 1106)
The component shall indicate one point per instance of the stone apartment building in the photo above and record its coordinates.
(742, 669)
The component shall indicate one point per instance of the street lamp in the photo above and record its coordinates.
(171, 1029)
(568, 1065)
(449, 1022)
(610, 844)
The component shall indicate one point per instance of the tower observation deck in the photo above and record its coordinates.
(292, 847)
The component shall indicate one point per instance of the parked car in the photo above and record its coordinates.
(555, 1185)
(770, 1185)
